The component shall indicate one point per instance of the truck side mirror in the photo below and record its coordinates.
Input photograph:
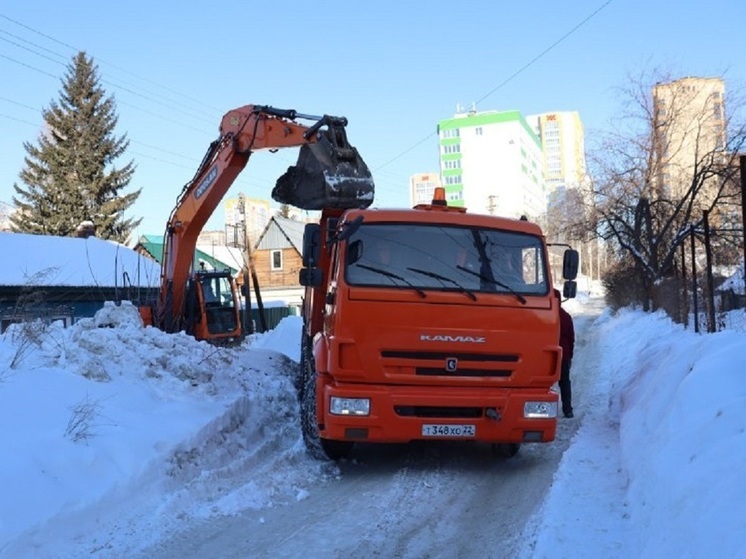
(569, 290)
(310, 277)
(311, 245)
(570, 264)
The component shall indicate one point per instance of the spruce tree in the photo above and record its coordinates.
(71, 176)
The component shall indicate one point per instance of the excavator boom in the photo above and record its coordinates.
(329, 173)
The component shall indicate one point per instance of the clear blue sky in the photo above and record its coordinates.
(393, 68)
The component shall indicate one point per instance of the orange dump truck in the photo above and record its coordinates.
(428, 323)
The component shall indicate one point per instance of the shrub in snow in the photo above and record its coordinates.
(83, 420)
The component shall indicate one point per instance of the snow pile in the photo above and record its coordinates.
(117, 437)
(654, 470)
(127, 418)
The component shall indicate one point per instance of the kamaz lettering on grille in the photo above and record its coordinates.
(460, 339)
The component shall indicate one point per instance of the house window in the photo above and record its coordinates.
(276, 259)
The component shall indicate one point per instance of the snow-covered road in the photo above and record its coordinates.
(442, 500)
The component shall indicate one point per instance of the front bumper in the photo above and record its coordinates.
(398, 414)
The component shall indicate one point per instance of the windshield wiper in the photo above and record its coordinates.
(393, 276)
(444, 278)
(493, 281)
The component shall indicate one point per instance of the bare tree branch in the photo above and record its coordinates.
(674, 155)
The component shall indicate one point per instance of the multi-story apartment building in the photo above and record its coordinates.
(245, 214)
(689, 124)
(421, 187)
(563, 144)
(211, 238)
(491, 162)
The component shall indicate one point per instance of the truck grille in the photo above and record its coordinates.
(438, 372)
(469, 364)
(438, 412)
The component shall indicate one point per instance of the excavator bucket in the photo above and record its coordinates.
(329, 173)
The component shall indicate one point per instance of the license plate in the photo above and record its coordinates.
(449, 430)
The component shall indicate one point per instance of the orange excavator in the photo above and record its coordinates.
(329, 173)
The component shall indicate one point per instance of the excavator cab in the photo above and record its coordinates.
(217, 313)
(329, 172)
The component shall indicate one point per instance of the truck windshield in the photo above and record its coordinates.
(447, 258)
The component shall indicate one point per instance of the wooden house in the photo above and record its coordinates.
(277, 260)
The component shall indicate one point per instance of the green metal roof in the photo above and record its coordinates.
(153, 245)
(485, 118)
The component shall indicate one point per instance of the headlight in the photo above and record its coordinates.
(349, 406)
(544, 410)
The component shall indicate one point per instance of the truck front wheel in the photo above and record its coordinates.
(506, 450)
(321, 449)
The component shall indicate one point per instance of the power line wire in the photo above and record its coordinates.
(29, 48)
(545, 51)
(117, 85)
(19, 120)
(29, 66)
(62, 43)
(158, 115)
(509, 78)
(19, 104)
(381, 182)
(119, 101)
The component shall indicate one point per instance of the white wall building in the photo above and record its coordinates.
(491, 162)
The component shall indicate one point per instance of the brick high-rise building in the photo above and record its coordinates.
(689, 124)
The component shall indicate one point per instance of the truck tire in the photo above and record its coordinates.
(506, 450)
(320, 449)
(305, 353)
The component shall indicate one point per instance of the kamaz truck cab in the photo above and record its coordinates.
(428, 324)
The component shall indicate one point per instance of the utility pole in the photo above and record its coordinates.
(710, 282)
(255, 282)
(694, 280)
(246, 290)
(742, 163)
(685, 294)
(251, 267)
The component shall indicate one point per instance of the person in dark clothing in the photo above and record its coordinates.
(567, 341)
